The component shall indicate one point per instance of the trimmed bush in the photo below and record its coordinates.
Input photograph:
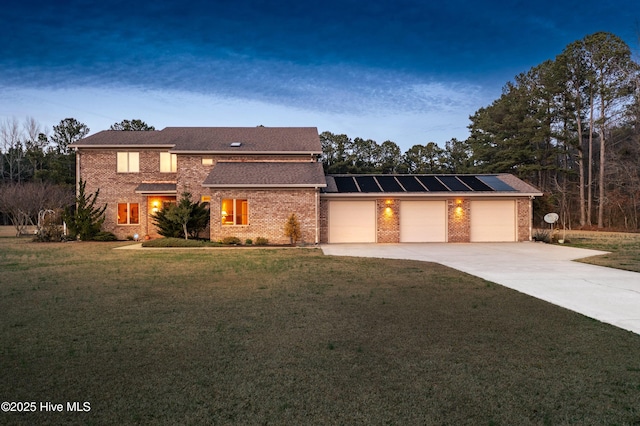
(261, 241)
(231, 241)
(178, 242)
(104, 236)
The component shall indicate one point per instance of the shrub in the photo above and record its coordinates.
(231, 240)
(248, 241)
(542, 235)
(261, 241)
(176, 242)
(185, 219)
(104, 236)
(49, 227)
(84, 220)
(292, 229)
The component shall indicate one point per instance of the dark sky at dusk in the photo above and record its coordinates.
(402, 70)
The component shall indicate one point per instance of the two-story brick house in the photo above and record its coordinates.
(254, 177)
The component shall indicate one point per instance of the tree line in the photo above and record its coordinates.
(570, 126)
(37, 169)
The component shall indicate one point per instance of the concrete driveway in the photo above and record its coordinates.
(543, 271)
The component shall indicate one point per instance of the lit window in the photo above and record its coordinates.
(168, 162)
(128, 214)
(207, 161)
(128, 162)
(235, 212)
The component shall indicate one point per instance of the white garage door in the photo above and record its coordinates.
(423, 221)
(493, 221)
(352, 222)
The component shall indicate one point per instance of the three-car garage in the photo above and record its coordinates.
(426, 208)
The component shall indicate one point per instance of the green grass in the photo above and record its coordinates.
(294, 337)
(624, 248)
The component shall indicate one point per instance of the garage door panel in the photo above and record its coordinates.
(493, 221)
(352, 222)
(423, 221)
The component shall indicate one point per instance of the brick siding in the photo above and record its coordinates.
(268, 213)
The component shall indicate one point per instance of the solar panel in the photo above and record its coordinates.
(454, 184)
(389, 184)
(475, 183)
(367, 184)
(345, 184)
(432, 183)
(411, 184)
(496, 183)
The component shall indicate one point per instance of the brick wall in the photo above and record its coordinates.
(524, 217)
(459, 220)
(98, 169)
(268, 213)
(191, 174)
(388, 218)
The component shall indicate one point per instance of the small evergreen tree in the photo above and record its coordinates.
(292, 229)
(85, 219)
(183, 220)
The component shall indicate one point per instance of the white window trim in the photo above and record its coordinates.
(234, 212)
(128, 215)
(172, 161)
(128, 162)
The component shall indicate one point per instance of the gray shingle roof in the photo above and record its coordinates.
(263, 174)
(251, 140)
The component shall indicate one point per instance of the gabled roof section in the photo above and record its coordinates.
(213, 140)
(123, 139)
(266, 175)
(428, 185)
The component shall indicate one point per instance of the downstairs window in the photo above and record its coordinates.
(235, 211)
(128, 214)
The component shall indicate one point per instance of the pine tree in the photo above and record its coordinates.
(85, 219)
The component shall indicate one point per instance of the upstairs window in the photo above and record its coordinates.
(128, 162)
(168, 162)
(128, 214)
(235, 211)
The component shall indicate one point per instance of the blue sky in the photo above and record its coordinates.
(401, 70)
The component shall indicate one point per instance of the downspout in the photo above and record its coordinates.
(77, 171)
(530, 218)
(317, 209)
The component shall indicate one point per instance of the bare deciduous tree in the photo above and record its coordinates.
(22, 202)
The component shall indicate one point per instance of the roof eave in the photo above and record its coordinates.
(275, 185)
(231, 151)
(434, 194)
(127, 146)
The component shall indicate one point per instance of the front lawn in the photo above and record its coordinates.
(624, 248)
(294, 337)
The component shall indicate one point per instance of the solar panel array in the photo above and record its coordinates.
(420, 183)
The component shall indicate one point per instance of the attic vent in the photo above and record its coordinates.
(235, 144)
